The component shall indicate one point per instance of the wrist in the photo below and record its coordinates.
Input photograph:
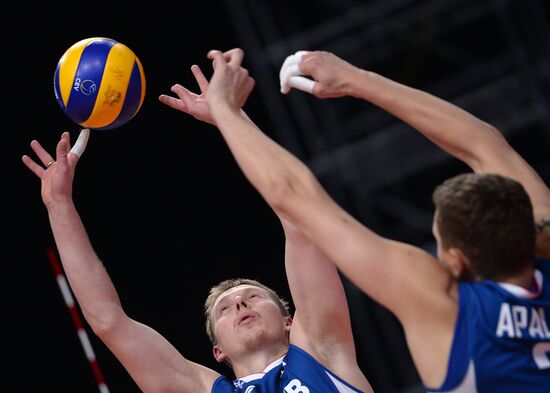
(60, 207)
(220, 109)
(357, 83)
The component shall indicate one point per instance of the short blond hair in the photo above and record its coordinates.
(223, 286)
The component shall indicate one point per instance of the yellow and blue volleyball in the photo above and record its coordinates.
(99, 83)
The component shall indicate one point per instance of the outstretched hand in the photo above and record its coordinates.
(230, 81)
(329, 74)
(57, 174)
(230, 84)
(189, 102)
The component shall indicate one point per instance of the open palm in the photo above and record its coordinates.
(189, 102)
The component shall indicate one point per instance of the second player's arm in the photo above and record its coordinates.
(478, 144)
(291, 189)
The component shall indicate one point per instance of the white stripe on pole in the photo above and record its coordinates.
(77, 322)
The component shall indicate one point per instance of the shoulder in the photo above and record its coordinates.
(478, 291)
(223, 385)
(304, 373)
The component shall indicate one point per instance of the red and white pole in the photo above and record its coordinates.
(75, 316)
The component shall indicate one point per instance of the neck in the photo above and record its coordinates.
(255, 363)
(524, 278)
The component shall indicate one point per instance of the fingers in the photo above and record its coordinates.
(296, 58)
(215, 54)
(62, 149)
(81, 142)
(290, 71)
(172, 102)
(200, 78)
(42, 154)
(301, 83)
(185, 95)
(232, 57)
(45, 157)
(217, 59)
(184, 100)
(33, 166)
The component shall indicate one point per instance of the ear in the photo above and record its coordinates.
(288, 324)
(460, 264)
(218, 353)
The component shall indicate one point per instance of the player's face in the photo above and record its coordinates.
(246, 318)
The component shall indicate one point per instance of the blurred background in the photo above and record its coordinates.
(167, 208)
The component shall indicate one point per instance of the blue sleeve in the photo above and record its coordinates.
(543, 265)
(222, 385)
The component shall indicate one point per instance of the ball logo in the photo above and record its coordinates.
(88, 87)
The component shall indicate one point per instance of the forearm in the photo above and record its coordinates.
(325, 316)
(89, 281)
(444, 123)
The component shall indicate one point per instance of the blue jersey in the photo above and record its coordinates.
(296, 372)
(502, 338)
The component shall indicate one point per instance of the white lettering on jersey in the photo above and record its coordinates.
(544, 325)
(513, 319)
(541, 354)
(536, 326)
(505, 324)
(295, 386)
(519, 314)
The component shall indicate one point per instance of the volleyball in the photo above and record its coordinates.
(99, 83)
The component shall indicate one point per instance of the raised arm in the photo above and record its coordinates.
(154, 364)
(421, 291)
(321, 324)
(444, 123)
(290, 188)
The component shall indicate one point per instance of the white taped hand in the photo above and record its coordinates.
(291, 77)
(81, 142)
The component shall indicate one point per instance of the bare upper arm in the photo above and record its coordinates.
(493, 154)
(153, 363)
(407, 280)
(321, 325)
(322, 316)
(397, 275)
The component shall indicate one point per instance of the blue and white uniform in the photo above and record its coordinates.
(502, 338)
(296, 372)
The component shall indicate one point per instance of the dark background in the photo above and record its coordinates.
(167, 208)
